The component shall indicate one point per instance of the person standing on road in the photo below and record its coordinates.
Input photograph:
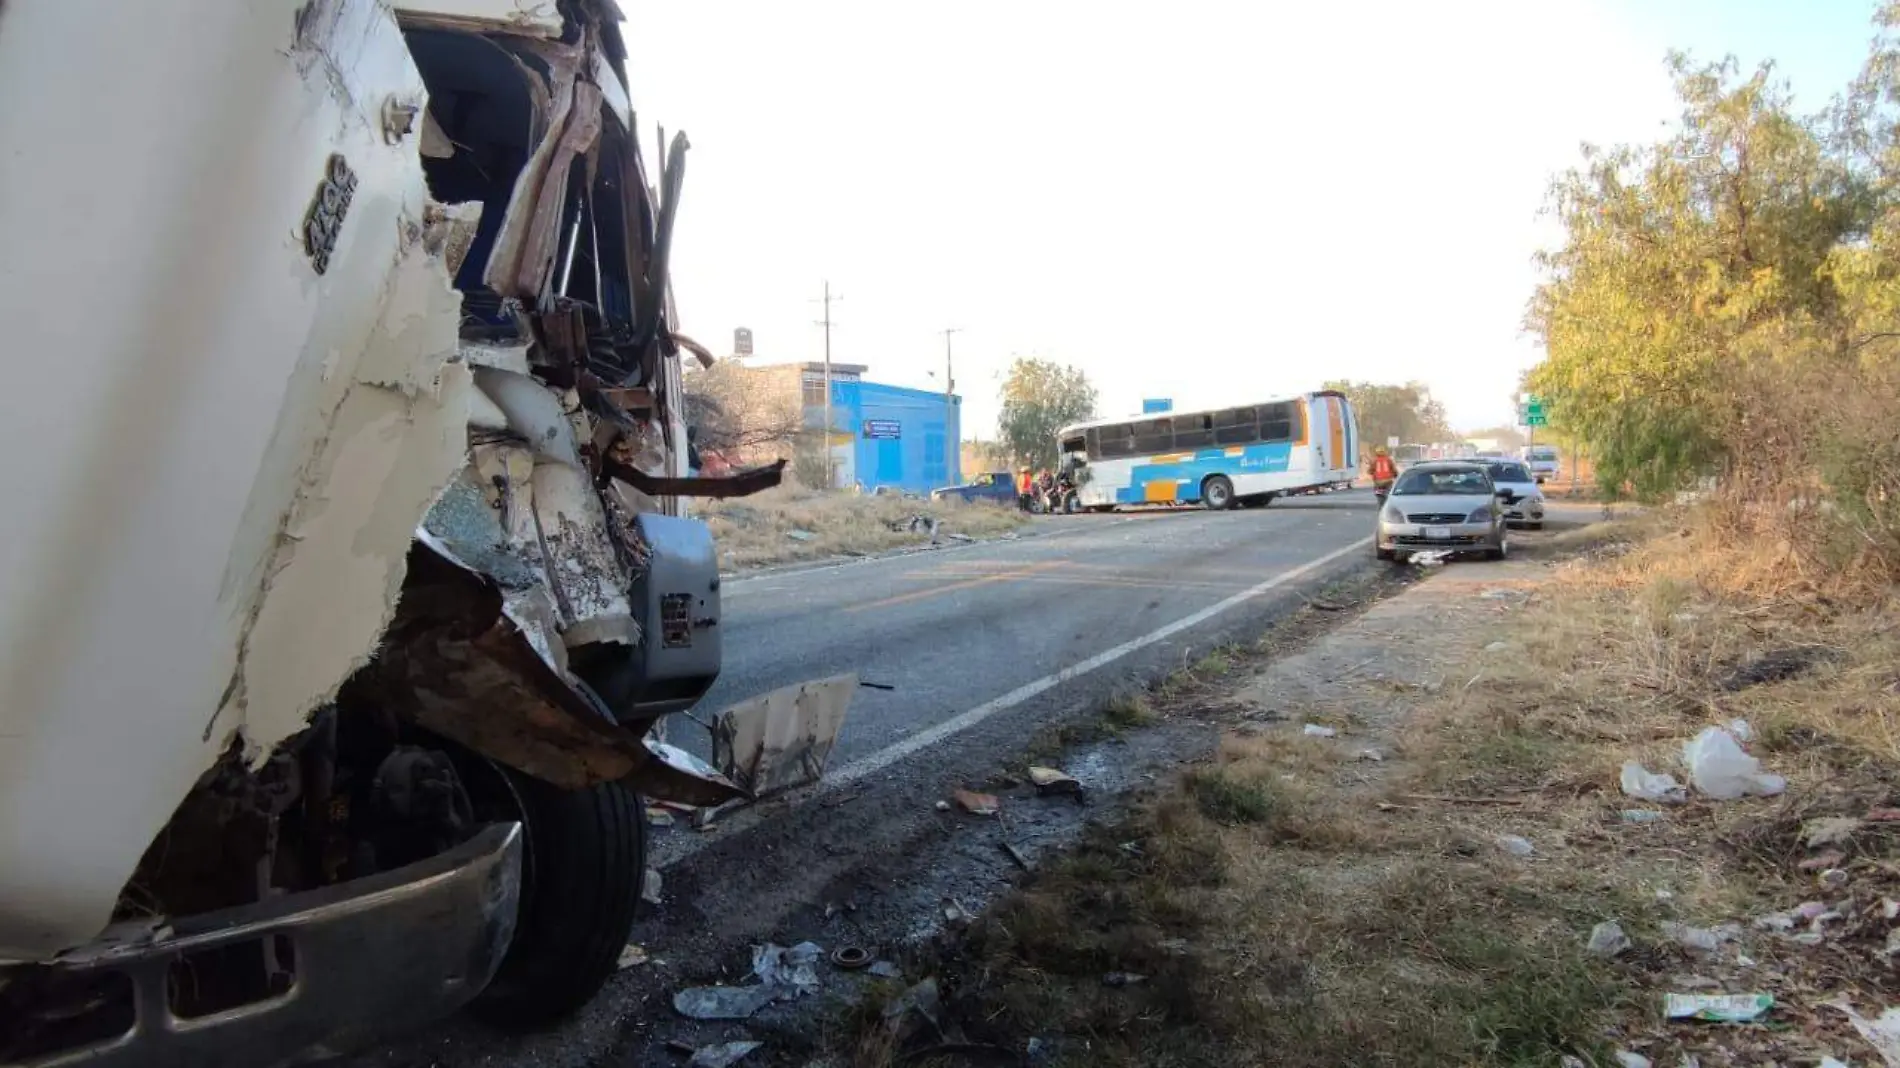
(1383, 471)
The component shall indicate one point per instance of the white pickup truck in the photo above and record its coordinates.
(346, 572)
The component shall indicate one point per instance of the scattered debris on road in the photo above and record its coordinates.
(1644, 785)
(1314, 730)
(851, 958)
(723, 1055)
(793, 970)
(977, 804)
(1717, 1008)
(1700, 939)
(801, 535)
(1720, 768)
(1050, 781)
(1607, 940)
(1882, 1032)
(723, 1002)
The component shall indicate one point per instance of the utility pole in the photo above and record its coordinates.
(951, 432)
(826, 323)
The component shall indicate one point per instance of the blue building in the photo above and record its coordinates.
(885, 435)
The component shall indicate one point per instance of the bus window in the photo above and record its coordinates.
(1116, 442)
(1276, 422)
(1077, 443)
(1235, 426)
(1193, 431)
(1154, 435)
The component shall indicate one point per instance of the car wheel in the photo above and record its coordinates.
(1398, 557)
(585, 864)
(1217, 494)
(1383, 554)
(1503, 549)
(1539, 525)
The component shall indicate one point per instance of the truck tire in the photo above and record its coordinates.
(1217, 494)
(581, 879)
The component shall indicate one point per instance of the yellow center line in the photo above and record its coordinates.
(986, 580)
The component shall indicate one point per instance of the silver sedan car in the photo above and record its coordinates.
(1446, 505)
(1514, 475)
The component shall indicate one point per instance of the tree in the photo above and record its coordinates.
(1406, 412)
(739, 411)
(1727, 301)
(1039, 399)
(1688, 266)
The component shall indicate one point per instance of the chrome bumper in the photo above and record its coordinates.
(1461, 537)
(371, 956)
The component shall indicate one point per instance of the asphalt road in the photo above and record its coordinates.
(983, 645)
(954, 629)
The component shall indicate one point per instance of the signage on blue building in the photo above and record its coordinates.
(883, 428)
(1156, 404)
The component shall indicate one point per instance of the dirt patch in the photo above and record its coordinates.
(1409, 832)
(792, 524)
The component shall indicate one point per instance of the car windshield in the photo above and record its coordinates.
(1510, 473)
(1455, 482)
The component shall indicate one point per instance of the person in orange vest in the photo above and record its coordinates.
(1023, 482)
(1383, 471)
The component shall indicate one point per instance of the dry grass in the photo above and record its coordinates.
(759, 530)
(1291, 905)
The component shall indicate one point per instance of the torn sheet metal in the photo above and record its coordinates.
(464, 664)
(528, 18)
(539, 509)
(782, 739)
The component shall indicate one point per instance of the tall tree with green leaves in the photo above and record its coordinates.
(1406, 412)
(1687, 266)
(1041, 397)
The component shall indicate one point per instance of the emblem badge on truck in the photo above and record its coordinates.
(324, 221)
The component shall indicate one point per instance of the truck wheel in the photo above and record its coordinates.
(581, 878)
(1217, 494)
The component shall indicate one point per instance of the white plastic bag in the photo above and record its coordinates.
(1639, 782)
(1720, 768)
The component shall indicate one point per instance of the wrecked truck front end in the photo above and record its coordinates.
(348, 572)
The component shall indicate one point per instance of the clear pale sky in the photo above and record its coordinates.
(1197, 200)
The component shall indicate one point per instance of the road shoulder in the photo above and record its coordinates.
(1409, 845)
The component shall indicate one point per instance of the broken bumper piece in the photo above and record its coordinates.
(353, 982)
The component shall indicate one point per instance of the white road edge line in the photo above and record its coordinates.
(884, 758)
(676, 851)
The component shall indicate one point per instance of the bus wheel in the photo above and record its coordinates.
(1217, 494)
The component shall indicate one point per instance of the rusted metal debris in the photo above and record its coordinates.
(743, 484)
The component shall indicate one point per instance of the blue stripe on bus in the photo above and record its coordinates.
(1188, 474)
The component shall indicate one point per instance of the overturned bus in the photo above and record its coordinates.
(348, 571)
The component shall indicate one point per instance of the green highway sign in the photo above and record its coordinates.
(1532, 413)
